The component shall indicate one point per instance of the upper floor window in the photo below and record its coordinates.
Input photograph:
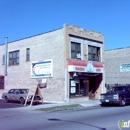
(93, 53)
(28, 54)
(75, 50)
(14, 57)
(3, 59)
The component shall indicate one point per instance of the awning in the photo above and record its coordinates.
(85, 66)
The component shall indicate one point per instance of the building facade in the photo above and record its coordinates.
(78, 63)
(117, 66)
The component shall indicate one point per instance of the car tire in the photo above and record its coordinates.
(103, 104)
(22, 101)
(6, 99)
(122, 102)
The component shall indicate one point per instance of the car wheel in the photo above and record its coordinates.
(103, 104)
(6, 99)
(122, 102)
(22, 101)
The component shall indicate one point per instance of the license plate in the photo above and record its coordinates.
(106, 100)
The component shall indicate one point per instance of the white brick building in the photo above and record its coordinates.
(78, 57)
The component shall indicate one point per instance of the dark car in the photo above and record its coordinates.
(116, 95)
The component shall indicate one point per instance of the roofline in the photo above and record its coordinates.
(118, 48)
(32, 36)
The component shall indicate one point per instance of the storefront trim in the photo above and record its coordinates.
(85, 66)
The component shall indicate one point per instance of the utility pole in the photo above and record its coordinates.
(6, 51)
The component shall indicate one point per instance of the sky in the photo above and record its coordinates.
(24, 18)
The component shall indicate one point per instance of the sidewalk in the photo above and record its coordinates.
(88, 103)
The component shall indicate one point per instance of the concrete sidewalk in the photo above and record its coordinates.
(88, 103)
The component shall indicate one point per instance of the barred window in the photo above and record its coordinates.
(14, 57)
(28, 54)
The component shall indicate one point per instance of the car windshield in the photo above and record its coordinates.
(117, 89)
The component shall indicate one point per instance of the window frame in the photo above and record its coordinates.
(3, 59)
(27, 54)
(14, 57)
(94, 53)
(76, 50)
(2, 82)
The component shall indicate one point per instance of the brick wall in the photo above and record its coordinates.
(42, 47)
(113, 59)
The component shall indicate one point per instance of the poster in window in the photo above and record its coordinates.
(73, 89)
(73, 83)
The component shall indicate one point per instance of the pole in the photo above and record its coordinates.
(6, 50)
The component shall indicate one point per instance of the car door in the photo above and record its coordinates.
(11, 94)
(16, 95)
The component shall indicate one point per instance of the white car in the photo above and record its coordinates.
(19, 95)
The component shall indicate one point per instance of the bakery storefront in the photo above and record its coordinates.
(85, 78)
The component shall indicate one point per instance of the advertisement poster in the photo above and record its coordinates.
(125, 67)
(42, 69)
(73, 90)
(73, 83)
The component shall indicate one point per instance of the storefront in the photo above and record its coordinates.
(85, 78)
(76, 72)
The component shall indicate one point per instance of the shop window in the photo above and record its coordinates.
(14, 58)
(93, 53)
(78, 88)
(75, 50)
(28, 54)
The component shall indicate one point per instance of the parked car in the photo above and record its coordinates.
(19, 95)
(116, 95)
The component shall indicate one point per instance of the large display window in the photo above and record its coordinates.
(79, 87)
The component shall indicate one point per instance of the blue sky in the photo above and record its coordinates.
(24, 18)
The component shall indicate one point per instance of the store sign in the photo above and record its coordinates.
(42, 69)
(90, 67)
(85, 66)
(124, 67)
(80, 69)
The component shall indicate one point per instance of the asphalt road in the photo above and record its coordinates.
(93, 118)
(12, 104)
(4, 105)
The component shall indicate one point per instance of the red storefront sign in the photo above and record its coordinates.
(85, 66)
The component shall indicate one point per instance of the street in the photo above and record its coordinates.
(4, 105)
(91, 118)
